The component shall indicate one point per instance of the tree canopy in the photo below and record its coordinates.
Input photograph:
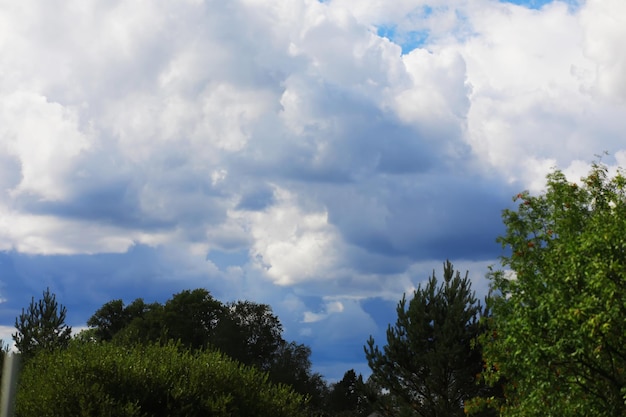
(348, 397)
(245, 331)
(559, 313)
(430, 361)
(106, 379)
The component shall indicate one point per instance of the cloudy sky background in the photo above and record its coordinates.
(321, 157)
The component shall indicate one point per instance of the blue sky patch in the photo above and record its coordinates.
(538, 4)
(408, 41)
(223, 259)
(531, 4)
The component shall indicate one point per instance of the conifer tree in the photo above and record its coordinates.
(431, 361)
(42, 326)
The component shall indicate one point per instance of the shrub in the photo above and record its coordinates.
(103, 379)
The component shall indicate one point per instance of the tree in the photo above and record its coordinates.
(431, 359)
(192, 316)
(292, 366)
(558, 320)
(250, 333)
(245, 331)
(108, 320)
(343, 396)
(347, 397)
(106, 379)
(145, 324)
(137, 322)
(42, 326)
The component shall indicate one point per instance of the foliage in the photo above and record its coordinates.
(42, 326)
(137, 322)
(292, 366)
(430, 361)
(348, 397)
(108, 320)
(105, 379)
(193, 316)
(252, 334)
(245, 331)
(559, 341)
(343, 396)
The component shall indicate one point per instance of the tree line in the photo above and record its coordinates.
(189, 328)
(548, 340)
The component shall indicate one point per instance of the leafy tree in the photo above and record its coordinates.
(343, 396)
(559, 341)
(245, 331)
(348, 397)
(42, 326)
(135, 323)
(193, 316)
(146, 324)
(109, 319)
(105, 379)
(292, 366)
(431, 360)
(250, 333)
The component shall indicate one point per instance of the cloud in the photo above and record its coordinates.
(6, 333)
(289, 244)
(45, 140)
(287, 152)
(603, 29)
(331, 308)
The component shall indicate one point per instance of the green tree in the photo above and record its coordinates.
(431, 360)
(245, 331)
(106, 379)
(137, 322)
(145, 324)
(193, 317)
(292, 366)
(109, 319)
(558, 339)
(42, 326)
(250, 333)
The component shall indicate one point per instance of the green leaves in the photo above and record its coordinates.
(560, 320)
(244, 331)
(103, 379)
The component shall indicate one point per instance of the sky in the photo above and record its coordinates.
(323, 157)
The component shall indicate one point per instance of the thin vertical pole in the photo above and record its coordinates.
(9, 384)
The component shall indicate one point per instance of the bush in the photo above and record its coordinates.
(102, 379)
